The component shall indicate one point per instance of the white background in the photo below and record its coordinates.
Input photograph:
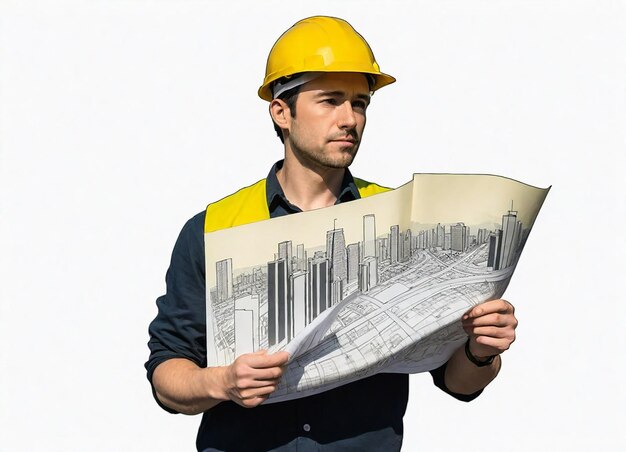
(121, 119)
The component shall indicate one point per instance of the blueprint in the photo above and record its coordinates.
(375, 285)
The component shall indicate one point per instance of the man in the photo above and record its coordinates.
(319, 80)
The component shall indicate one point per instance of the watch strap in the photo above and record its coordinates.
(475, 360)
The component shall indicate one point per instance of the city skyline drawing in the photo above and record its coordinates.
(346, 309)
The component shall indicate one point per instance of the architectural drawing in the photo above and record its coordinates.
(385, 293)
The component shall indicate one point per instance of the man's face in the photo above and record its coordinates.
(329, 121)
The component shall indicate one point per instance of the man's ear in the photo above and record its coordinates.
(280, 113)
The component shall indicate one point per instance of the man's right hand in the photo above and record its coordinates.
(252, 377)
(183, 386)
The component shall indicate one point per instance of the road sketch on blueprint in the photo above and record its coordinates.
(374, 285)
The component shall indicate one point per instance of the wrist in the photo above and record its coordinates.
(479, 361)
(212, 383)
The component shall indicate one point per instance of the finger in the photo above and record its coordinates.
(270, 373)
(246, 361)
(494, 319)
(253, 383)
(498, 344)
(252, 402)
(251, 393)
(257, 400)
(266, 374)
(491, 331)
(489, 307)
(260, 361)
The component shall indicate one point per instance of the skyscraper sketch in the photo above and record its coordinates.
(318, 286)
(247, 319)
(298, 302)
(354, 258)
(511, 234)
(224, 271)
(369, 236)
(293, 291)
(278, 301)
(394, 243)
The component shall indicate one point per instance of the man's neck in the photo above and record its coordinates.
(310, 188)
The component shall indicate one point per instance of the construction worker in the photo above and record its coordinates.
(319, 80)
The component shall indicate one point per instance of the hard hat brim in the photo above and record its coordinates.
(380, 80)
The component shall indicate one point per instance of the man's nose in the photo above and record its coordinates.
(347, 118)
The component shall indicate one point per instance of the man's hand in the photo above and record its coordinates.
(185, 387)
(491, 328)
(252, 377)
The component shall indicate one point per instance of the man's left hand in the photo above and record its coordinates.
(490, 327)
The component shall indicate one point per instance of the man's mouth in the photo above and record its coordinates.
(348, 139)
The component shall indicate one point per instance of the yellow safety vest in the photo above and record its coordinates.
(250, 204)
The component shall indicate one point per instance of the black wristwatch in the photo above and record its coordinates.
(475, 360)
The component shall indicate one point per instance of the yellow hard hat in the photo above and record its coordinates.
(320, 44)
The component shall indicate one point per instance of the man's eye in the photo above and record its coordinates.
(330, 101)
(360, 105)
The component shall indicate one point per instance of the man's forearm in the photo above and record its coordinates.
(464, 377)
(182, 385)
(185, 387)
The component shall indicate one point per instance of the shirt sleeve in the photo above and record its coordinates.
(438, 375)
(179, 329)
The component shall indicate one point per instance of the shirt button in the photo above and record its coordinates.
(306, 427)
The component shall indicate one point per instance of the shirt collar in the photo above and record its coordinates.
(276, 196)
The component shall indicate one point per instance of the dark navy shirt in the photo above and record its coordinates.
(364, 415)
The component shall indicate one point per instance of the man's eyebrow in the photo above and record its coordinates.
(365, 97)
